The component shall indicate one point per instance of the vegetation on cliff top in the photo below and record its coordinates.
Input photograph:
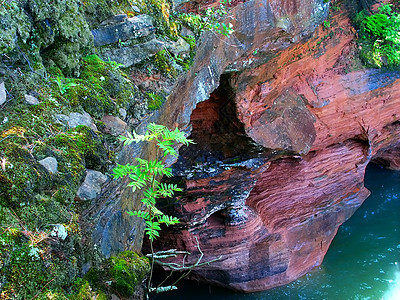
(380, 36)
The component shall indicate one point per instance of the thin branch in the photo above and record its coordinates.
(165, 279)
(181, 267)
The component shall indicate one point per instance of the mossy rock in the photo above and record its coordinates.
(109, 76)
(84, 143)
(92, 98)
(13, 22)
(100, 10)
(155, 101)
(83, 291)
(125, 272)
(101, 88)
(22, 174)
(29, 268)
(165, 63)
(63, 34)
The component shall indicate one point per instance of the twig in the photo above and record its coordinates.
(165, 279)
(178, 267)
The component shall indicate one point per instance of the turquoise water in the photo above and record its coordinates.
(363, 261)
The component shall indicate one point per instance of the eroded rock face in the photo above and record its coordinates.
(284, 129)
(312, 123)
(113, 230)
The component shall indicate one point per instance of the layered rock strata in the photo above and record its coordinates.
(311, 120)
(259, 24)
(285, 125)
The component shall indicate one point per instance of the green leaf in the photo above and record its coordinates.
(144, 175)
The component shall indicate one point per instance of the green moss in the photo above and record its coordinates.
(42, 211)
(155, 101)
(83, 291)
(100, 10)
(82, 141)
(125, 271)
(193, 21)
(379, 37)
(191, 40)
(161, 10)
(13, 21)
(92, 98)
(165, 62)
(101, 88)
(23, 175)
(29, 268)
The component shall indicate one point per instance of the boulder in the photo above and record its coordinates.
(31, 100)
(180, 47)
(50, 163)
(132, 55)
(91, 187)
(76, 119)
(122, 113)
(114, 20)
(114, 125)
(132, 28)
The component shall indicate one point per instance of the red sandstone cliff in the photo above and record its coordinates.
(282, 146)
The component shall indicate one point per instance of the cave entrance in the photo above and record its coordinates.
(216, 129)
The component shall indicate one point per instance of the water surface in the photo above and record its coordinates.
(363, 261)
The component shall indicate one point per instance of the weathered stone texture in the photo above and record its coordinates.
(319, 122)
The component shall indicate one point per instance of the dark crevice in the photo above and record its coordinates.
(218, 133)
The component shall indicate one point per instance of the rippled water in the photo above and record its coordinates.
(363, 261)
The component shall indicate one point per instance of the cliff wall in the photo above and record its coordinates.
(282, 146)
(284, 115)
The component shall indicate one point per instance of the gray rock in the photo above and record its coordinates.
(50, 163)
(31, 100)
(177, 3)
(3, 95)
(179, 47)
(62, 119)
(91, 186)
(114, 125)
(5, 120)
(132, 28)
(136, 9)
(122, 113)
(76, 119)
(186, 31)
(59, 231)
(135, 54)
(114, 20)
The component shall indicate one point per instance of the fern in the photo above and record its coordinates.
(143, 175)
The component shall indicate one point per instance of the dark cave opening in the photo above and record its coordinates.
(217, 132)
